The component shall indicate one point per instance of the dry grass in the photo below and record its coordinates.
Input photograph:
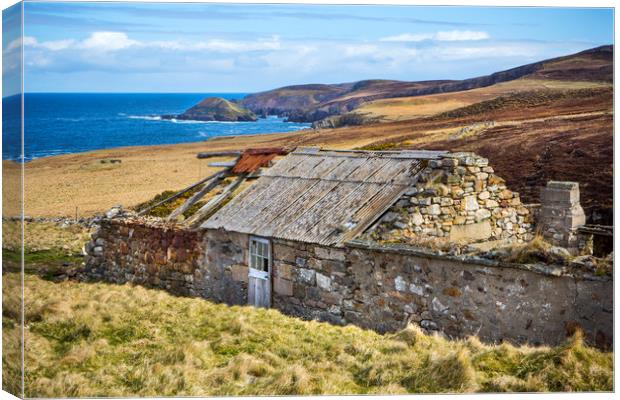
(403, 108)
(535, 251)
(92, 340)
(44, 236)
(55, 186)
(165, 209)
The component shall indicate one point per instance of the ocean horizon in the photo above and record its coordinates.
(65, 123)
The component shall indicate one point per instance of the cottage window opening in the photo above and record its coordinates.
(259, 254)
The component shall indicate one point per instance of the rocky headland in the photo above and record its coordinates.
(215, 109)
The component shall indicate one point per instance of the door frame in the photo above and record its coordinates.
(258, 274)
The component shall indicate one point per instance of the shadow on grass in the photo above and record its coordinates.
(48, 264)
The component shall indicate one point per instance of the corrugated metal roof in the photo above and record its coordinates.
(323, 197)
(253, 159)
(249, 163)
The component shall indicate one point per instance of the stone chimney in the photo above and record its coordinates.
(561, 214)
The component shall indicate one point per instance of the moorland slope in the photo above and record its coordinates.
(314, 102)
(532, 129)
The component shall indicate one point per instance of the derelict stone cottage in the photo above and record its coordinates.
(377, 239)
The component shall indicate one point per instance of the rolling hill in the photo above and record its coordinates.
(532, 129)
(311, 103)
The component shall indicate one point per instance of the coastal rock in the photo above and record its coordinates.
(215, 109)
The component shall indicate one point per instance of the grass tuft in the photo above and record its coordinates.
(535, 251)
(93, 340)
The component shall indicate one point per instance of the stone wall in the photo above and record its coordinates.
(373, 286)
(385, 287)
(144, 252)
(561, 214)
(162, 255)
(460, 199)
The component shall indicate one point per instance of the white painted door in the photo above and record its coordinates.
(259, 272)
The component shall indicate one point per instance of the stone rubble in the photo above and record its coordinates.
(460, 199)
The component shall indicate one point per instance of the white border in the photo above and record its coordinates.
(484, 3)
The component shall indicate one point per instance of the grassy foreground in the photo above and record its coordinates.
(111, 340)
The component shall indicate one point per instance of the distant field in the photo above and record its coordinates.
(403, 108)
(57, 185)
(579, 119)
(92, 340)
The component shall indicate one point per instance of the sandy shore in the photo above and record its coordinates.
(61, 185)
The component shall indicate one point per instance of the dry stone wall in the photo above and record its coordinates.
(144, 252)
(162, 255)
(386, 287)
(460, 199)
(373, 286)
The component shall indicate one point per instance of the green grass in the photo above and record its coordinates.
(49, 249)
(379, 146)
(44, 236)
(48, 264)
(120, 340)
(165, 209)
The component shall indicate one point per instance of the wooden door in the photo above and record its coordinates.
(259, 272)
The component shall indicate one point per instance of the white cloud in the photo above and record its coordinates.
(358, 50)
(107, 41)
(57, 44)
(280, 60)
(114, 41)
(450, 36)
(17, 43)
(441, 36)
(408, 37)
(54, 45)
(467, 53)
(220, 45)
(272, 43)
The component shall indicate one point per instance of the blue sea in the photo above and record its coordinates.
(60, 123)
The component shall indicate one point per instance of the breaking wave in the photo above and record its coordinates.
(146, 117)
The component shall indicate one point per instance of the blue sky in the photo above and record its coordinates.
(138, 47)
(11, 53)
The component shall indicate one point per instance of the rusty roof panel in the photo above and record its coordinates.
(319, 197)
(251, 162)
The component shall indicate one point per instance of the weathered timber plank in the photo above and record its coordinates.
(225, 164)
(216, 201)
(211, 154)
(207, 187)
(178, 194)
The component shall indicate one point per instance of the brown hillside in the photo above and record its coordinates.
(590, 65)
(533, 138)
(315, 102)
